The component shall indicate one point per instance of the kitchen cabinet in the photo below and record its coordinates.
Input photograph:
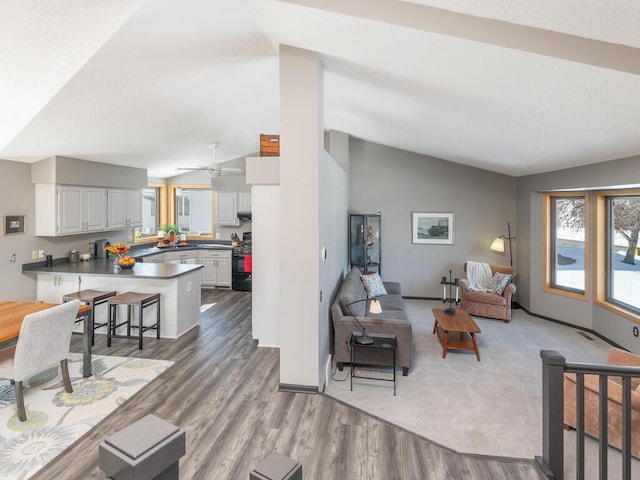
(244, 202)
(190, 256)
(227, 209)
(70, 209)
(51, 288)
(155, 258)
(216, 269)
(124, 208)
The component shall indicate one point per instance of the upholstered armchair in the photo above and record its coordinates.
(614, 402)
(485, 304)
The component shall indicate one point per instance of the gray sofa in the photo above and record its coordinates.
(392, 320)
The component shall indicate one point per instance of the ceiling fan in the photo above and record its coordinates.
(216, 170)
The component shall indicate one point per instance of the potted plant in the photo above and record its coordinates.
(171, 230)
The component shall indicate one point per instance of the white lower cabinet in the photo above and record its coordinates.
(51, 288)
(190, 256)
(217, 268)
(155, 258)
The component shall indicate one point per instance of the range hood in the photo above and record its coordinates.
(244, 215)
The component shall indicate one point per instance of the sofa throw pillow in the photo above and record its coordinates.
(373, 285)
(499, 282)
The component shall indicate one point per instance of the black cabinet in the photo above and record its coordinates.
(364, 242)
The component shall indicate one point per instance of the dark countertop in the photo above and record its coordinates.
(141, 252)
(103, 267)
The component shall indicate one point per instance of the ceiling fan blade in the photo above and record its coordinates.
(231, 170)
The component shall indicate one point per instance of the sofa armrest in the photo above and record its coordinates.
(509, 290)
(393, 288)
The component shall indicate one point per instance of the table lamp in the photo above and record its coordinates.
(375, 307)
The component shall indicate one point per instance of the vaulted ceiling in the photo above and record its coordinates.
(512, 87)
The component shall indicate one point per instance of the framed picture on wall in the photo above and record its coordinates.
(14, 224)
(433, 228)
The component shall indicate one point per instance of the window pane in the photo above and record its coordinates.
(149, 214)
(568, 243)
(195, 211)
(624, 261)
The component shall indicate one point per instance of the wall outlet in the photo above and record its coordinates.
(34, 255)
(40, 253)
(217, 235)
(12, 258)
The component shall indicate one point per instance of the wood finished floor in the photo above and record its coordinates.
(223, 392)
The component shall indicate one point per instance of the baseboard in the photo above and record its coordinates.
(571, 325)
(287, 387)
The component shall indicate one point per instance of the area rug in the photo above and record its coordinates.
(55, 418)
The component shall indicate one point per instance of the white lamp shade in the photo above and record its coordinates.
(375, 307)
(498, 245)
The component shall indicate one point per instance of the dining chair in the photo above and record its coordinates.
(43, 341)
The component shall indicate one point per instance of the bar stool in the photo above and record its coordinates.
(132, 299)
(91, 298)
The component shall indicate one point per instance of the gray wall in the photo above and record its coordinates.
(334, 203)
(397, 183)
(616, 173)
(17, 197)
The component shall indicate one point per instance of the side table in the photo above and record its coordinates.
(381, 341)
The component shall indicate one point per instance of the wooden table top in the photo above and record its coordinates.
(460, 322)
(12, 314)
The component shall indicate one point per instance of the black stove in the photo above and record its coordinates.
(241, 268)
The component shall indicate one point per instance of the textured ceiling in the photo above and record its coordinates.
(514, 90)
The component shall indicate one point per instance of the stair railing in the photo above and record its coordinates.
(554, 366)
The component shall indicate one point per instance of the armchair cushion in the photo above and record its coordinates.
(499, 282)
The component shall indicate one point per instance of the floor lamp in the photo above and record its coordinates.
(498, 244)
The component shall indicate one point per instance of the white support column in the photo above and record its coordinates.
(301, 141)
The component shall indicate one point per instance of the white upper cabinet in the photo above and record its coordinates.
(227, 208)
(95, 209)
(70, 209)
(244, 201)
(125, 208)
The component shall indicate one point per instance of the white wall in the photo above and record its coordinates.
(265, 310)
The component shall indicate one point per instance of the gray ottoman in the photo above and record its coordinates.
(148, 449)
(277, 467)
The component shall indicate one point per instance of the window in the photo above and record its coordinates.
(567, 244)
(150, 214)
(194, 210)
(622, 256)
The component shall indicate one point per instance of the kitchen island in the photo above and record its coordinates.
(178, 285)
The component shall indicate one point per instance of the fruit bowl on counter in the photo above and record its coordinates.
(126, 262)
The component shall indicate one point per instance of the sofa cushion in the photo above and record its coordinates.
(499, 282)
(391, 302)
(373, 285)
(351, 291)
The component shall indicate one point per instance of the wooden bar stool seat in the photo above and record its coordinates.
(91, 298)
(131, 300)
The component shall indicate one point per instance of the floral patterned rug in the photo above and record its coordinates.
(55, 418)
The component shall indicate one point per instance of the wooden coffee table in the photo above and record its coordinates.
(456, 332)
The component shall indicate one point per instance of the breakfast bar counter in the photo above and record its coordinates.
(177, 284)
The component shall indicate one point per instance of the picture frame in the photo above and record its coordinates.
(432, 228)
(14, 224)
